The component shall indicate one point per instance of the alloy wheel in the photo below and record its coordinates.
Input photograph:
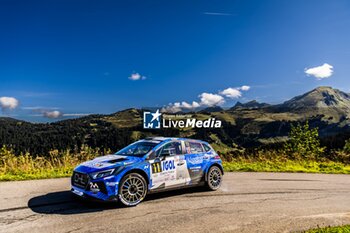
(132, 189)
(214, 178)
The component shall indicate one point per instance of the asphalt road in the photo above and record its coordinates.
(247, 202)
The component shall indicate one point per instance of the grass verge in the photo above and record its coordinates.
(242, 165)
(62, 163)
(248, 165)
(340, 229)
(40, 174)
(27, 167)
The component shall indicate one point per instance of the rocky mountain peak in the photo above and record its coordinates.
(320, 97)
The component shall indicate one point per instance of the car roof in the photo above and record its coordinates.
(163, 139)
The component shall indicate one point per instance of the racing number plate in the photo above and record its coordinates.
(156, 167)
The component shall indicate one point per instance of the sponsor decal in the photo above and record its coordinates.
(196, 168)
(168, 165)
(195, 159)
(94, 187)
(156, 167)
(128, 163)
(111, 183)
(97, 164)
(77, 192)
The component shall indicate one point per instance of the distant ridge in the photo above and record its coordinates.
(246, 124)
(212, 109)
(250, 105)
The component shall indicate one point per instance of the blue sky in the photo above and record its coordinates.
(78, 57)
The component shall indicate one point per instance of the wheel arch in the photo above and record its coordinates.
(138, 171)
(212, 165)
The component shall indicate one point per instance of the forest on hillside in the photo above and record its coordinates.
(39, 139)
(244, 126)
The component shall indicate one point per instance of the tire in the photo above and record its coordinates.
(132, 189)
(214, 178)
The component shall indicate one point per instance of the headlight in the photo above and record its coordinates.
(102, 174)
(105, 173)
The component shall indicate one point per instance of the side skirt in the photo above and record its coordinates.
(202, 183)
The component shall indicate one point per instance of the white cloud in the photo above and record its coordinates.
(177, 107)
(234, 92)
(52, 114)
(8, 103)
(320, 72)
(136, 76)
(207, 99)
(172, 108)
(210, 99)
(245, 88)
(190, 106)
(231, 93)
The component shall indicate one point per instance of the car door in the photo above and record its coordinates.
(195, 160)
(168, 169)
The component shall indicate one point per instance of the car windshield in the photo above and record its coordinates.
(138, 149)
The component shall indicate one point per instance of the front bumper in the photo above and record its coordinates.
(104, 189)
(93, 197)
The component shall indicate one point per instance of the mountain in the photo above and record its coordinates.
(319, 98)
(249, 124)
(212, 109)
(329, 104)
(251, 104)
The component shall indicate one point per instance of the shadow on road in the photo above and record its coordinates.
(66, 203)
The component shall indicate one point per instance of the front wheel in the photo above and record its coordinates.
(214, 178)
(132, 189)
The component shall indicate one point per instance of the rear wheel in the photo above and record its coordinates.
(132, 189)
(214, 178)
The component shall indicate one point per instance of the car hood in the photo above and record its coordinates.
(106, 162)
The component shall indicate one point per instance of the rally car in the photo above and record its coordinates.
(147, 166)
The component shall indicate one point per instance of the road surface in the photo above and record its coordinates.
(247, 202)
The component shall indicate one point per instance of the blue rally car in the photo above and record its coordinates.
(147, 166)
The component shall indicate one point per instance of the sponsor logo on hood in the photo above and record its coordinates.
(104, 161)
